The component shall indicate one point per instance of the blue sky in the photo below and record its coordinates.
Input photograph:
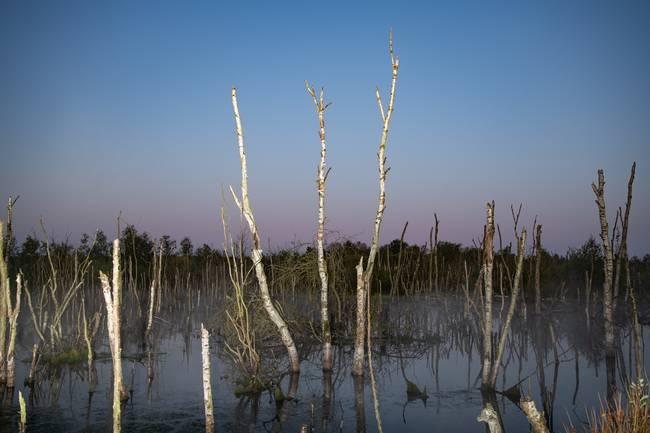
(109, 106)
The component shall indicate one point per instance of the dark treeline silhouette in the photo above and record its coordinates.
(402, 268)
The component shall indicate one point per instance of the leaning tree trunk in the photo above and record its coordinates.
(636, 328)
(535, 418)
(488, 262)
(244, 206)
(319, 102)
(363, 286)
(521, 245)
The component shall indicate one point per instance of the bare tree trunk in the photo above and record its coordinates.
(32, 369)
(362, 289)
(319, 102)
(636, 327)
(373, 381)
(490, 417)
(535, 419)
(435, 254)
(155, 282)
(608, 312)
(13, 324)
(112, 297)
(488, 261)
(207, 386)
(511, 310)
(357, 361)
(244, 206)
(538, 265)
(4, 287)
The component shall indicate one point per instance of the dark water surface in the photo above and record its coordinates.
(427, 341)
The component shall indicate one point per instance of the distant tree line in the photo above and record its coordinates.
(402, 268)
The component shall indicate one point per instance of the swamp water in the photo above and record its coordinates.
(426, 360)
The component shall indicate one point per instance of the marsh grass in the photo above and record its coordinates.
(629, 415)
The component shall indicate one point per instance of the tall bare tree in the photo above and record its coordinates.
(364, 275)
(112, 297)
(608, 268)
(636, 329)
(4, 287)
(488, 263)
(521, 248)
(319, 103)
(243, 203)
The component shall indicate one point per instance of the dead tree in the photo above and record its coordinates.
(364, 275)
(636, 328)
(599, 191)
(538, 265)
(155, 284)
(521, 248)
(488, 262)
(244, 206)
(535, 418)
(207, 385)
(608, 269)
(435, 253)
(112, 298)
(4, 287)
(12, 313)
(319, 103)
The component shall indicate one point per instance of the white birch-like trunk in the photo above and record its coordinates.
(489, 416)
(488, 261)
(4, 284)
(320, 105)
(608, 267)
(207, 385)
(13, 313)
(535, 418)
(364, 287)
(511, 309)
(359, 349)
(112, 300)
(256, 253)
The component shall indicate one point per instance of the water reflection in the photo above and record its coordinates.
(426, 360)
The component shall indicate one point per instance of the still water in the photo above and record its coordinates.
(428, 342)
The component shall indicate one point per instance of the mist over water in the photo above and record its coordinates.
(425, 354)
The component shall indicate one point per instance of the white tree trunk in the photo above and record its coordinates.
(608, 267)
(207, 385)
(320, 105)
(256, 253)
(511, 309)
(364, 286)
(488, 261)
(112, 299)
(13, 323)
(4, 284)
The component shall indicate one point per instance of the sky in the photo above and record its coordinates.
(109, 107)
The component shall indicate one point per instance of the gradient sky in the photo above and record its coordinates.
(109, 106)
